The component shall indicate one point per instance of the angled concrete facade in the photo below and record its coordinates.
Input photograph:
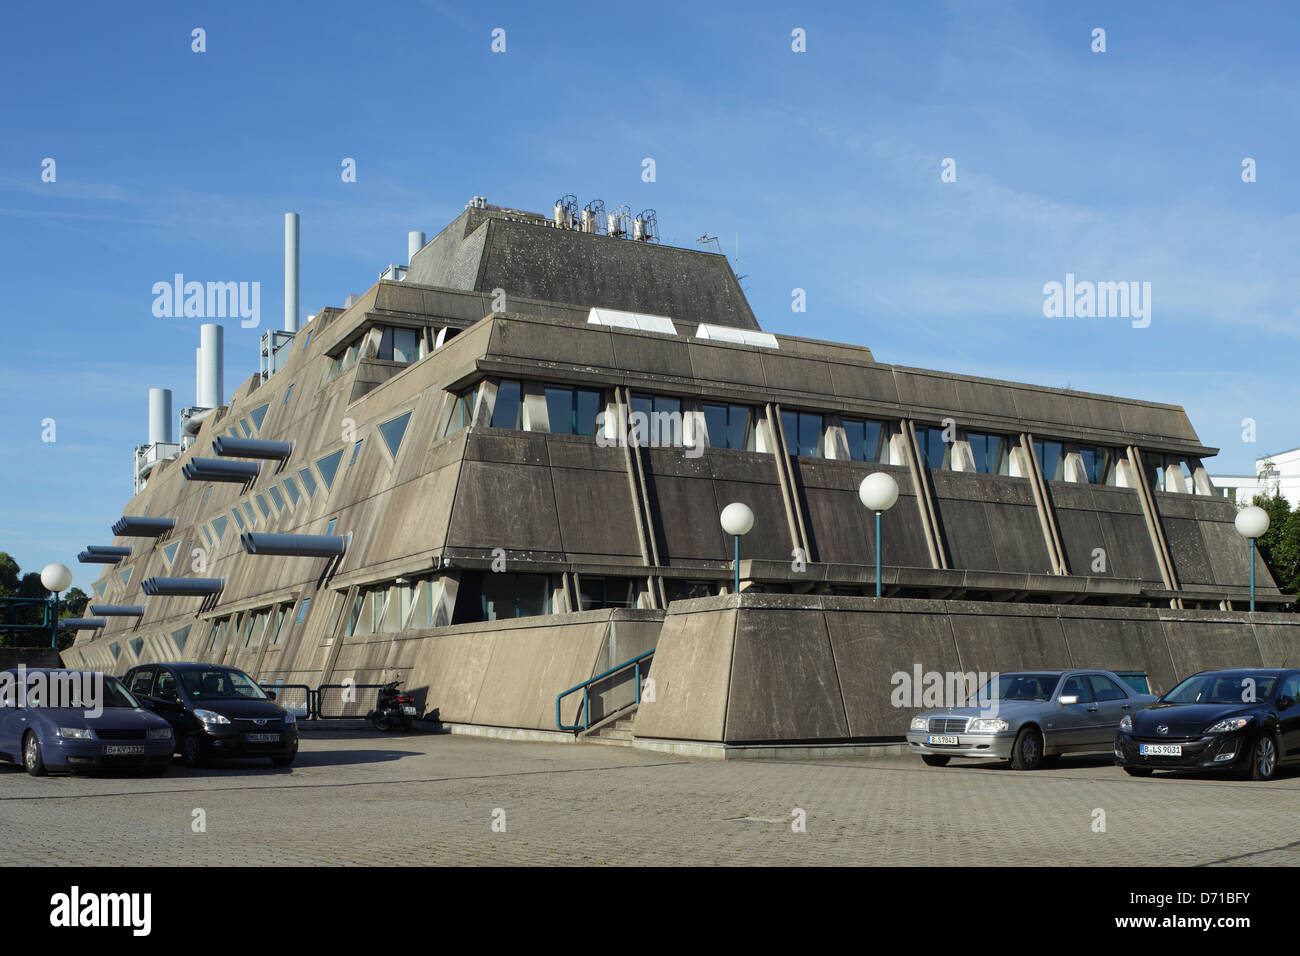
(510, 536)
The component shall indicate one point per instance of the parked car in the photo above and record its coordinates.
(1032, 717)
(1241, 720)
(216, 712)
(47, 730)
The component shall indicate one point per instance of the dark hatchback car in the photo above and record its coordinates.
(216, 712)
(1242, 720)
(65, 720)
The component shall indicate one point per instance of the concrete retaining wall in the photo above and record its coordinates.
(780, 668)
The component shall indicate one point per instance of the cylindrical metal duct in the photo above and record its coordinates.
(117, 610)
(81, 623)
(297, 545)
(186, 587)
(212, 377)
(291, 272)
(219, 469)
(160, 416)
(229, 446)
(138, 526)
(414, 243)
(85, 557)
(112, 550)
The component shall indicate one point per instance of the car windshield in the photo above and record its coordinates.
(1222, 689)
(216, 683)
(1020, 687)
(77, 690)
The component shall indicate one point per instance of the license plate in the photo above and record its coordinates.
(941, 740)
(123, 750)
(1160, 750)
(408, 710)
(263, 738)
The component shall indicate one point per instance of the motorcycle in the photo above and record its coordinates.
(393, 711)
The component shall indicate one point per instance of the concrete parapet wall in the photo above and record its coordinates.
(783, 668)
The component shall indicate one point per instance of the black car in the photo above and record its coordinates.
(215, 711)
(1242, 720)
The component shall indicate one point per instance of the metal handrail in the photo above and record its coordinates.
(585, 687)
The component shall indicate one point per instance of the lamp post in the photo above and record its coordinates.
(878, 492)
(737, 519)
(55, 578)
(1251, 523)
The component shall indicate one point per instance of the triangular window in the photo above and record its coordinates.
(137, 643)
(169, 552)
(329, 466)
(258, 415)
(393, 431)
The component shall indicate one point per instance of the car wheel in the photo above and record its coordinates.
(935, 760)
(283, 761)
(32, 759)
(1263, 759)
(1027, 754)
(1139, 771)
(192, 751)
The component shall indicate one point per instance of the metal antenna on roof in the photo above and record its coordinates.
(710, 243)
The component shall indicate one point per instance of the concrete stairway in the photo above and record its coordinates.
(614, 730)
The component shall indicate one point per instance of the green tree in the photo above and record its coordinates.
(1279, 547)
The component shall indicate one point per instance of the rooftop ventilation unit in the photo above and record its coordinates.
(566, 211)
(617, 222)
(594, 218)
(632, 320)
(138, 526)
(727, 333)
(478, 202)
(645, 227)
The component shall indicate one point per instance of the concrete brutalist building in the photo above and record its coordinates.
(501, 544)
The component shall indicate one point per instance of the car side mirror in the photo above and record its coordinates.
(166, 694)
(270, 694)
(1284, 702)
(1065, 701)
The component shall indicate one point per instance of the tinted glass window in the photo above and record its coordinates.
(217, 684)
(1104, 688)
(392, 432)
(142, 682)
(803, 433)
(1079, 687)
(508, 410)
(935, 452)
(166, 682)
(991, 452)
(1051, 459)
(729, 426)
(329, 466)
(867, 440)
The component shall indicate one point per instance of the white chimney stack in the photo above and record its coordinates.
(211, 365)
(198, 377)
(414, 243)
(291, 272)
(160, 416)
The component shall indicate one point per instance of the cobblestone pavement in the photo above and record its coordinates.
(354, 798)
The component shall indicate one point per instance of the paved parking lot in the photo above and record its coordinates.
(356, 798)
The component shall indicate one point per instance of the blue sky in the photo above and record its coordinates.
(817, 170)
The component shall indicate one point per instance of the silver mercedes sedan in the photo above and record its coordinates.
(1029, 718)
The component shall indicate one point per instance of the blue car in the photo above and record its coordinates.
(64, 720)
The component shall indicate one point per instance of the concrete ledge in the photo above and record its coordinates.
(716, 751)
(511, 733)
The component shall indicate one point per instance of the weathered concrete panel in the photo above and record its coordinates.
(500, 506)
(692, 675)
(784, 684)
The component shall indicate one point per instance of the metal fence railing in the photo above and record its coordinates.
(298, 699)
(345, 701)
